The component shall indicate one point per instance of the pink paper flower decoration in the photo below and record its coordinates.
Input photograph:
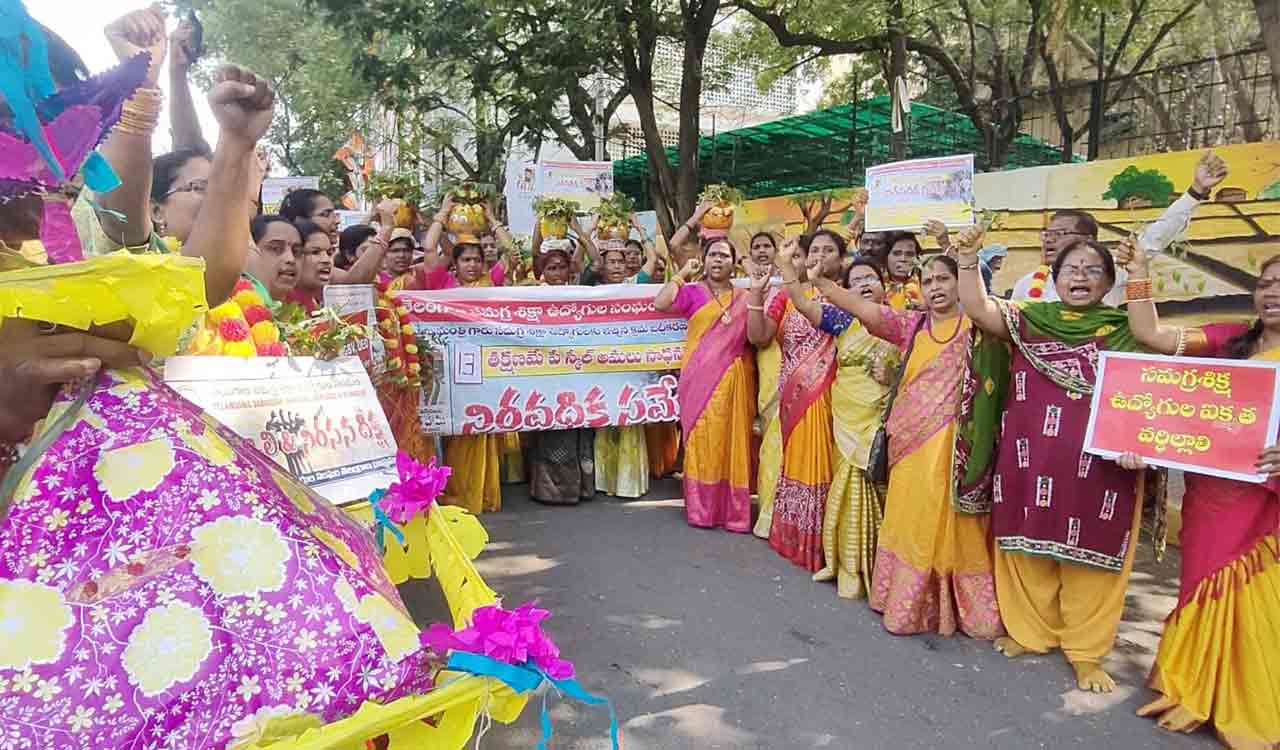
(418, 488)
(509, 636)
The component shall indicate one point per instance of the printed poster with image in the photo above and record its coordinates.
(521, 187)
(354, 303)
(320, 421)
(586, 182)
(906, 194)
(274, 189)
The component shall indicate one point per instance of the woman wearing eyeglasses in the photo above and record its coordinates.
(1065, 522)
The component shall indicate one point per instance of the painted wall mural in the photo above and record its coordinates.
(1208, 277)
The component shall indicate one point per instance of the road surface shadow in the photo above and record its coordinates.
(708, 639)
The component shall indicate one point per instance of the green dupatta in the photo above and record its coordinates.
(1055, 320)
(983, 391)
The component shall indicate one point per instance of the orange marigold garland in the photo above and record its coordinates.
(400, 387)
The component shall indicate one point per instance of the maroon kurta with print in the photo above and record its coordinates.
(1051, 498)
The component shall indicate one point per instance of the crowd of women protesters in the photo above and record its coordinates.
(888, 423)
(928, 448)
(876, 412)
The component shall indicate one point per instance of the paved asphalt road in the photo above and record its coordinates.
(706, 639)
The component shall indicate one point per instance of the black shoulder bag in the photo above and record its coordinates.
(878, 460)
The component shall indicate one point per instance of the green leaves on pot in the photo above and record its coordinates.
(555, 208)
(721, 194)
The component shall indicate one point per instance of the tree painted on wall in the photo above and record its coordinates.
(1139, 188)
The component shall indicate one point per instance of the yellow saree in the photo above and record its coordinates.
(769, 369)
(852, 518)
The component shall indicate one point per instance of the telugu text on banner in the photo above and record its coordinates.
(545, 358)
(1208, 416)
(319, 420)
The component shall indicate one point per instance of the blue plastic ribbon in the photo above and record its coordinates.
(99, 175)
(383, 521)
(21, 86)
(523, 678)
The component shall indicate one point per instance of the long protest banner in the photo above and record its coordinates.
(319, 420)
(906, 194)
(544, 358)
(1208, 416)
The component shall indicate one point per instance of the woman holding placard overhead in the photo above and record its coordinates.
(1218, 661)
(1065, 522)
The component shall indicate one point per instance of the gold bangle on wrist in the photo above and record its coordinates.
(757, 308)
(1182, 343)
(141, 113)
(970, 267)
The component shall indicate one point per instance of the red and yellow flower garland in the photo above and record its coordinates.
(240, 327)
(1038, 280)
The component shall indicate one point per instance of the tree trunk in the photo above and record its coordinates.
(662, 184)
(698, 18)
(897, 70)
(689, 134)
(1059, 103)
(1269, 21)
(1242, 97)
(1056, 32)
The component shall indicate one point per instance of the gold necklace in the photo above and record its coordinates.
(929, 330)
(724, 312)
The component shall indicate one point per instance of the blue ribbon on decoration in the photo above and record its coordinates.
(528, 676)
(383, 521)
(98, 174)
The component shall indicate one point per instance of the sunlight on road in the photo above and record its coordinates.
(508, 566)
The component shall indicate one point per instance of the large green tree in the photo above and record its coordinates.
(514, 70)
(479, 75)
(985, 56)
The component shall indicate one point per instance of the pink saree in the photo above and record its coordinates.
(808, 463)
(717, 396)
